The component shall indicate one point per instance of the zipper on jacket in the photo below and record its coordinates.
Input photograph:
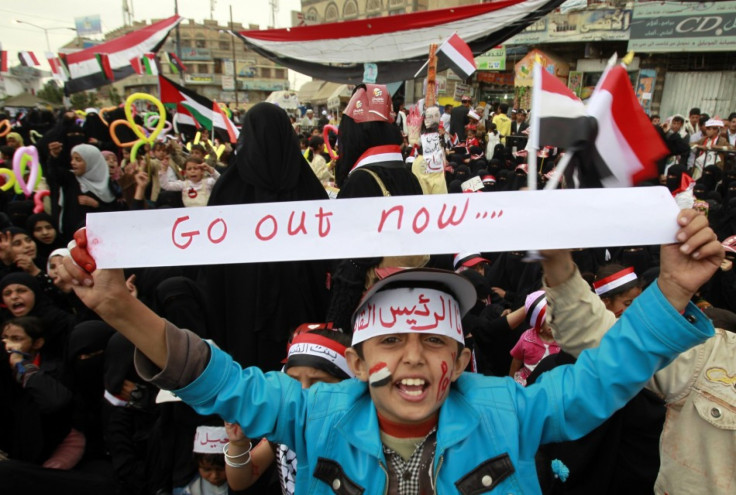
(437, 472)
(385, 472)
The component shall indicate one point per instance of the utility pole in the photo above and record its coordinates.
(235, 65)
(178, 41)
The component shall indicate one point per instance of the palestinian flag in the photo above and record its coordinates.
(179, 99)
(104, 60)
(28, 59)
(86, 73)
(150, 64)
(175, 63)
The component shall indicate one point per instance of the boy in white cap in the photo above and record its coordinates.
(422, 425)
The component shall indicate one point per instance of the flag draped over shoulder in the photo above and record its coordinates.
(627, 146)
(199, 108)
(86, 73)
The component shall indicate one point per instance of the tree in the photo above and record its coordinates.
(84, 99)
(114, 96)
(51, 92)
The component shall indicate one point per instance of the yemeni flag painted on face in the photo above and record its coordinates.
(396, 44)
(184, 101)
(28, 59)
(84, 71)
(557, 114)
(627, 146)
(104, 60)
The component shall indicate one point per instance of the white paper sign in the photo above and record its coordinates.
(397, 225)
(473, 184)
(434, 155)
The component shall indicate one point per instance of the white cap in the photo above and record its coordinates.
(714, 123)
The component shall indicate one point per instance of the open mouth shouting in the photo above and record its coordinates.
(413, 389)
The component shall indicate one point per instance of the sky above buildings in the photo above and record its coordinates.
(61, 13)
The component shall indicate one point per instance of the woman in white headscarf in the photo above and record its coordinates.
(87, 189)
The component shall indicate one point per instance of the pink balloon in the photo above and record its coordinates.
(23, 155)
(38, 200)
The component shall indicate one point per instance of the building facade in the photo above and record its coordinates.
(207, 52)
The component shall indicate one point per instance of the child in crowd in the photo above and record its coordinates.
(617, 287)
(195, 188)
(536, 343)
(210, 480)
(413, 422)
(314, 356)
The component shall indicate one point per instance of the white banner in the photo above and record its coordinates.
(398, 225)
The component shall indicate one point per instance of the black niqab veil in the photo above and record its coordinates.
(253, 307)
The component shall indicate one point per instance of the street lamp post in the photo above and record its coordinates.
(45, 30)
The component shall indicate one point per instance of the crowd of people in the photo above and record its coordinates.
(283, 383)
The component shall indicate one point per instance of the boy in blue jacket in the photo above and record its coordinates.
(413, 422)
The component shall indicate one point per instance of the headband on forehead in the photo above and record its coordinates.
(316, 351)
(611, 282)
(409, 310)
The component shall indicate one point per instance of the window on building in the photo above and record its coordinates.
(279, 73)
(373, 5)
(203, 69)
(266, 72)
(225, 45)
(331, 13)
(218, 66)
(350, 10)
(186, 43)
(311, 16)
(200, 42)
(396, 3)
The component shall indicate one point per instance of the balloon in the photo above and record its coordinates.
(326, 136)
(135, 148)
(6, 127)
(35, 135)
(38, 200)
(22, 157)
(151, 120)
(9, 178)
(124, 123)
(102, 114)
(161, 112)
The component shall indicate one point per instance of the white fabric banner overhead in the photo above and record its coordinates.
(399, 225)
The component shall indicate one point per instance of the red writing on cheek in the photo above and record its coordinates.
(444, 381)
(183, 240)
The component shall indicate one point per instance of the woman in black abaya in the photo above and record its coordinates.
(253, 307)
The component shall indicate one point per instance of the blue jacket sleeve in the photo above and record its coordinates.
(570, 401)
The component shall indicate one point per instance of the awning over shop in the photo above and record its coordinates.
(308, 90)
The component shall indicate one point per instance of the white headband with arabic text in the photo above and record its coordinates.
(408, 310)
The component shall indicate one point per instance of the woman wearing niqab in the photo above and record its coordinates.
(254, 306)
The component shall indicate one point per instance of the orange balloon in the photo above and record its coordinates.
(115, 139)
(6, 128)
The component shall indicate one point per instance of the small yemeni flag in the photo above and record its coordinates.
(221, 118)
(28, 59)
(199, 108)
(557, 114)
(150, 66)
(458, 56)
(3, 61)
(379, 375)
(104, 60)
(176, 64)
(137, 64)
(627, 146)
(57, 69)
